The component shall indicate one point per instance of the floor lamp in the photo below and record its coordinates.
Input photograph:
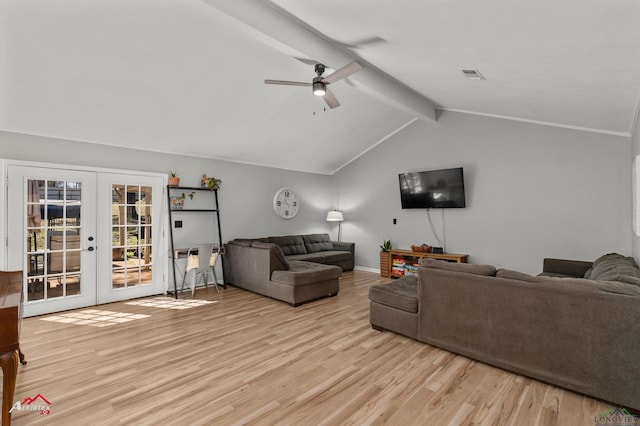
(335, 216)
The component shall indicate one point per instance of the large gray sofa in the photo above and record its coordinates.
(295, 269)
(577, 325)
(316, 248)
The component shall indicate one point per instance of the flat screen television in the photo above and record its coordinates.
(432, 189)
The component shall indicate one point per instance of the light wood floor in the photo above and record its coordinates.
(247, 359)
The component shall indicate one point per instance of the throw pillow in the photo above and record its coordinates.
(628, 279)
(611, 266)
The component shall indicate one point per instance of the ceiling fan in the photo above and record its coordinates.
(320, 83)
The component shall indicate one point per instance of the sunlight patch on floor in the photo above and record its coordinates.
(169, 303)
(94, 317)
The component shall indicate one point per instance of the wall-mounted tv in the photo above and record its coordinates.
(432, 189)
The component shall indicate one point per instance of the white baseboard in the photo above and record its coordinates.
(363, 268)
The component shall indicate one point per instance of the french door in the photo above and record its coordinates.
(83, 238)
(130, 229)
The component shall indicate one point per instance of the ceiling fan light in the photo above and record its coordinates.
(319, 88)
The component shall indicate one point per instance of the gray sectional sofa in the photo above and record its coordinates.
(577, 325)
(295, 269)
(316, 248)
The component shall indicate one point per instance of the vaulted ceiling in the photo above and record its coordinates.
(187, 76)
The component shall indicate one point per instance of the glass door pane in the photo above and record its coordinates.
(53, 234)
(131, 235)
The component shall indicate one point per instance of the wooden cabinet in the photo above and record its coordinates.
(406, 261)
(385, 264)
(10, 319)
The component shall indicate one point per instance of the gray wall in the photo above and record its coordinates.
(636, 151)
(246, 193)
(532, 192)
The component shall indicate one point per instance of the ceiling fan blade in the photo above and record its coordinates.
(343, 72)
(307, 61)
(359, 44)
(330, 99)
(287, 83)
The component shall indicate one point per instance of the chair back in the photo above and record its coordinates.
(206, 252)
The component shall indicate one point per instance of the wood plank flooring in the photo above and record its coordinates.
(247, 359)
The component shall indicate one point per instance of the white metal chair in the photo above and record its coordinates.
(200, 264)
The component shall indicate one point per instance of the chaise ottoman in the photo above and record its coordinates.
(306, 281)
(394, 306)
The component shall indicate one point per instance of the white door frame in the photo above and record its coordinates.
(4, 239)
(106, 292)
(87, 254)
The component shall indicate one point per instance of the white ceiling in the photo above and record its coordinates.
(186, 76)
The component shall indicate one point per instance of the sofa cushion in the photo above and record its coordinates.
(516, 275)
(290, 244)
(243, 243)
(335, 256)
(246, 242)
(629, 280)
(595, 287)
(614, 286)
(317, 242)
(611, 267)
(488, 270)
(278, 259)
(401, 294)
(309, 257)
(555, 275)
(303, 273)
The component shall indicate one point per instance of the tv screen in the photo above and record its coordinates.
(432, 189)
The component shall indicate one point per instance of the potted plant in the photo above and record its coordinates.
(385, 259)
(177, 201)
(174, 180)
(211, 183)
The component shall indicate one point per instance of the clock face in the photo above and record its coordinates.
(285, 203)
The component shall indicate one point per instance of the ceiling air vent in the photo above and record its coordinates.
(473, 74)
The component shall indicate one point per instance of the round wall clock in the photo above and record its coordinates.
(285, 203)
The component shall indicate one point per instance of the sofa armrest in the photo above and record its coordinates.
(251, 263)
(574, 268)
(341, 245)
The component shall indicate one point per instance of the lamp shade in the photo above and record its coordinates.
(335, 216)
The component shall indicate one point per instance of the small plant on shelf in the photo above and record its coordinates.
(211, 183)
(177, 201)
(174, 180)
(386, 246)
